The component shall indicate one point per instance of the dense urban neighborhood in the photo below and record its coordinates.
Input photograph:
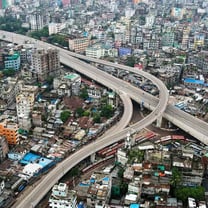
(49, 111)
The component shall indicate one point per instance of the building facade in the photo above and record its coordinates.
(78, 44)
(45, 63)
(4, 149)
(10, 131)
(62, 197)
(12, 61)
(67, 85)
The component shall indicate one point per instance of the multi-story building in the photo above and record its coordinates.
(200, 59)
(24, 105)
(12, 61)
(8, 89)
(78, 44)
(98, 194)
(67, 85)
(199, 40)
(9, 129)
(38, 20)
(185, 38)
(177, 12)
(170, 75)
(62, 197)
(168, 39)
(95, 51)
(45, 63)
(4, 149)
(55, 28)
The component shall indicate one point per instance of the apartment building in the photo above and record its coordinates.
(78, 44)
(45, 63)
(9, 129)
(12, 61)
(98, 193)
(62, 197)
(67, 84)
(95, 51)
(9, 87)
(55, 28)
(38, 19)
(24, 105)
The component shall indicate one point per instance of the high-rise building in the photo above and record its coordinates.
(45, 63)
(24, 104)
(38, 20)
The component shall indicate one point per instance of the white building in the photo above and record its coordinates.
(30, 170)
(150, 19)
(62, 197)
(55, 28)
(95, 51)
(122, 157)
(38, 20)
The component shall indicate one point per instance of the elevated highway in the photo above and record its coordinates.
(190, 124)
(158, 107)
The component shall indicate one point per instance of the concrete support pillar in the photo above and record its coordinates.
(143, 79)
(92, 158)
(159, 122)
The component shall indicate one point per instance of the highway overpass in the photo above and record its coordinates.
(117, 85)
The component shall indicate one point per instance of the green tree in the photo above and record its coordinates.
(39, 33)
(83, 93)
(176, 178)
(9, 72)
(86, 113)
(11, 24)
(131, 60)
(58, 39)
(79, 112)
(74, 172)
(65, 115)
(96, 118)
(120, 173)
(106, 111)
(183, 193)
(135, 154)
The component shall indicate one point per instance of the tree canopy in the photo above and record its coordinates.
(65, 115)
(11, 24)
(176, 178)
(39, 33)
(106, 111)
(183, 193)
(9, 72)
(83, 93)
